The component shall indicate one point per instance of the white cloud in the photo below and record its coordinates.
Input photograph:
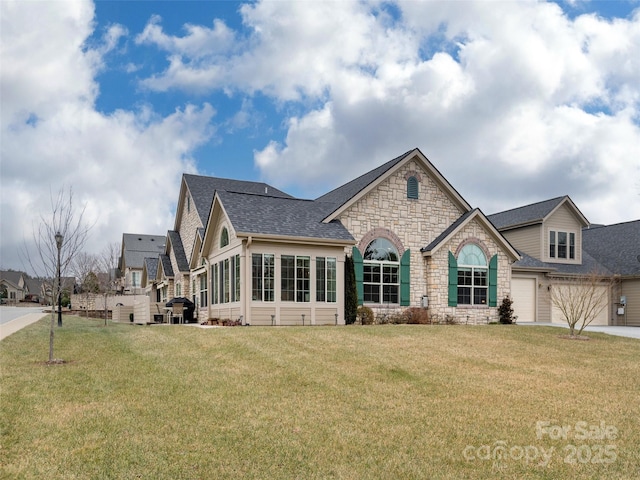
(125, 166)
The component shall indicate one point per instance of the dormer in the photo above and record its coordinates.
(550, 231)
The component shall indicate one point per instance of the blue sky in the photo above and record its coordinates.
(514, 102)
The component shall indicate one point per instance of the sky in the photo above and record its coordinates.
(514, 103)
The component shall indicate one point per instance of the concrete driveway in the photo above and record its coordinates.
(630, 332)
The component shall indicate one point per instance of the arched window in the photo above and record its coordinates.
(381, 272)
(472, 276)
(224, 237)
(412, 187)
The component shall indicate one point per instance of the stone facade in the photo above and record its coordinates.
(188, 224)
(437, 273)
(413, 224)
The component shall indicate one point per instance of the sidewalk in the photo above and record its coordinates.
(14, 325)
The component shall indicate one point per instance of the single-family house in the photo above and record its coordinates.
(267, 258)
(13, 285)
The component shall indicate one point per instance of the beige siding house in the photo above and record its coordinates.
(557, 244)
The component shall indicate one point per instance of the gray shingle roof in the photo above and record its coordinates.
(166, 265)
(152, 267)
(589, 265)
(615, 246)
(339, 196)
(528, 214)
(203, 189)
(137, 247)
(266, 215)
(12, 276)
(178, 251)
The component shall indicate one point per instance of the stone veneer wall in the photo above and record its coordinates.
(438, 277)
(415, 222)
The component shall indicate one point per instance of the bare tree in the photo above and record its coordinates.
(84, 267)
(108, 264)
(65, 222)
(581, 299)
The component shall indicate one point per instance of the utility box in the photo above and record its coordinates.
(425, 301)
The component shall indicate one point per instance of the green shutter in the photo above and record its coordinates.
(405, 279)
(453, 281)
(357, 266)
(493, 281)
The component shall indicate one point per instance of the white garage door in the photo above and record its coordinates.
(523, 292)
(601, 319)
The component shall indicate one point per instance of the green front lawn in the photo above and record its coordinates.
(180, 402)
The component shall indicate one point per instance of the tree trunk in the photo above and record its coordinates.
(51, 330)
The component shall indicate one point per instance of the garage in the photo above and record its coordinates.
(523, 293)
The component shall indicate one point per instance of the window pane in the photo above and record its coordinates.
(552, 244)
(480, 296)
(390, 274)
(562, 244)
(226, 273)
(464, 276)
(288, 278)
(472, 255)
(303, 279)
(269, 278)
(256, 276)
(480, 277)
(320, 279)
(331, 280)
(371, 273)
(371, 293)
(572, 245)
(237, 279)
(381, 249)
(390, 293)
(464, 295)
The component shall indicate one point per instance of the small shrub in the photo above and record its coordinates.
(505, 311)
(398, 319)
(416, 316)
(366, 315)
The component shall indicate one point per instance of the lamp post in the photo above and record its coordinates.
(59, 239)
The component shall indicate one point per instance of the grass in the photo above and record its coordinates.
(176, 402)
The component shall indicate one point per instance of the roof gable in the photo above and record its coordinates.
(338, 200)
(202, 190)
(174, 245)
(534, 213)
(274, 217)
(136, 247)
(459, 224)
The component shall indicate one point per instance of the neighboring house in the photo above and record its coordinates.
(13, 285)
(267, 258)
(135, 248)
(617, 247)
(555, 242)
(181, 270)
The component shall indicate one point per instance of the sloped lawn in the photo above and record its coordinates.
(180, 402)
